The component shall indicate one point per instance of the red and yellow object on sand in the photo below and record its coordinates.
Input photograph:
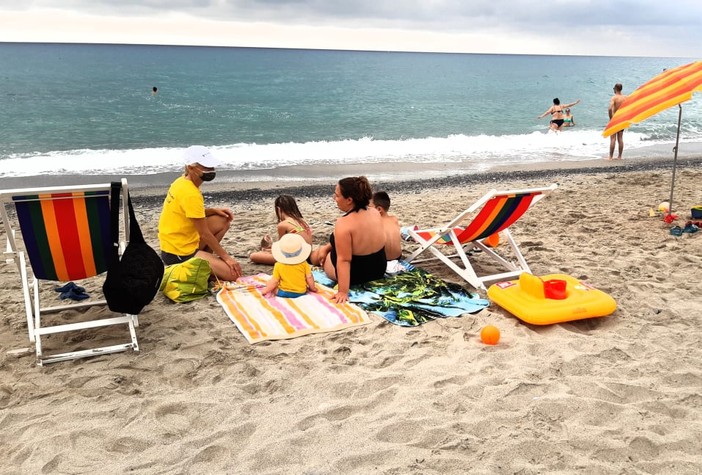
(552, 298)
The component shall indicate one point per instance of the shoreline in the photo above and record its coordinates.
(390, 174)
(316, 181)
(267, 190)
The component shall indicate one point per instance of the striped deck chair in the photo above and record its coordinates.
(65, 232)
(498, 210)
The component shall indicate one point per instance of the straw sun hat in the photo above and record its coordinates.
(291, 249)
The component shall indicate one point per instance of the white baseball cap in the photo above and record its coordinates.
(202, 155)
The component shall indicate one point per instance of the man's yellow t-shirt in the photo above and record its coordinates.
(176, 231)
(291, 277)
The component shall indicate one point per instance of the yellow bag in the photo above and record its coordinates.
(186, 281)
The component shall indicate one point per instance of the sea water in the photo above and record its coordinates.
(89, 109)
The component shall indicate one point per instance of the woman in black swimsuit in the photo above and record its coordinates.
(356, 251)
(556, 111)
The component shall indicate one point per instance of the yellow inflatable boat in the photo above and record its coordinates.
(552, 298)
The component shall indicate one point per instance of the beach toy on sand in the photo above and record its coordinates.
(669, 218)
(490, 335)
(552, 298)
(493, 240)
(664, 207)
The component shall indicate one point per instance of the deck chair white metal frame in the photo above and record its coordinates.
(30, 283)
(453, 236)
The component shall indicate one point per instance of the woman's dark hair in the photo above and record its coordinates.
(557, 101)
(358, 189)
(287, 204)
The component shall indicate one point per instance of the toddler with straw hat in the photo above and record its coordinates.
(292, 275)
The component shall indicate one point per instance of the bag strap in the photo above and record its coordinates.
(115, 192)
(135, 234)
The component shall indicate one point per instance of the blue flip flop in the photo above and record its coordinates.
(69, 286)
(73, 294)
(676, 231)
(690, 228)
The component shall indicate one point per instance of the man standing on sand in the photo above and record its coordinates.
(614, 104)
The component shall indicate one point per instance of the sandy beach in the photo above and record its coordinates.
(620, 394)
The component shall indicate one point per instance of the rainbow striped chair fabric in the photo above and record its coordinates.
(496, 212)
(65, 232)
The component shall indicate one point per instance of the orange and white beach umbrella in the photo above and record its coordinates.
(670, 88)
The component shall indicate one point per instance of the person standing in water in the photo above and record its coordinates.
(568, 119)
(556, 111)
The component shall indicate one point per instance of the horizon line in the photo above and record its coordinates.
(183, 45)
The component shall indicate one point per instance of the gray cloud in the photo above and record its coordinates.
(584, 20)
(451, 13)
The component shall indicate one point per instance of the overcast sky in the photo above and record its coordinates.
(580, 27)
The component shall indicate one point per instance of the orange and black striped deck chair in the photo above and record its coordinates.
(492, 214)
(65, 233)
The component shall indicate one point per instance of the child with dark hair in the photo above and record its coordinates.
(391, 226)
(290, 220)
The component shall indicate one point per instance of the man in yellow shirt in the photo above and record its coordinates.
(186, 228)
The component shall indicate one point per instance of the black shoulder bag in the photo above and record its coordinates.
(133, 280)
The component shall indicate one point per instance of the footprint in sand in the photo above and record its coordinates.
(208, 455)
(333, 414)
(374, 386)
(173, 418)
(129, 445)
(400, 432)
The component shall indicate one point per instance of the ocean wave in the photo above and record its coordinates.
(482, 151)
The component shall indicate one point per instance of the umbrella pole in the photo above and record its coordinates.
(675, 161)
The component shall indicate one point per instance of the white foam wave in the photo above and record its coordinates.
(482, 151)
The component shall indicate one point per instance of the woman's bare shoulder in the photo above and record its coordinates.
(344, 221)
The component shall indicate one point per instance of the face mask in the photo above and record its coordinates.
(208, 176)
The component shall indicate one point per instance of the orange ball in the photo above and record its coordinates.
(490, 335)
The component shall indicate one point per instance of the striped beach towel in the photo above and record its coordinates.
(260, 318)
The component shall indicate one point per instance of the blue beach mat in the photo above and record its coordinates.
(411, 298)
